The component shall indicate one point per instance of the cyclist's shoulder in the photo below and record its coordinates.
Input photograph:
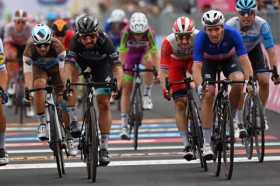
(233, 21)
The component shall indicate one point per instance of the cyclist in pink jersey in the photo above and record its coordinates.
(137, 46)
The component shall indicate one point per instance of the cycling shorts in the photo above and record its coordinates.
(257, 58)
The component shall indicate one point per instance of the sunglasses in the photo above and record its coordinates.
(41, 45)
(246, 13)
(20, 22)
(91, 36)
(183, 36)
(60, 34)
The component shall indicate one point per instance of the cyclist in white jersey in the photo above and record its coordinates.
(255, 31)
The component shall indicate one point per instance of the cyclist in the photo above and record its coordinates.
(16, 35)
(114, 26)
(175, 63)
(137, 46)
(255, 31)
(43, 59)
(93, 51)
(4, 98)
(218, 46)
(64, 34)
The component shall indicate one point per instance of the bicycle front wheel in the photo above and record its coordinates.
(228, 141)
(55, 142)
(259, 128)
(92, 144)
(248, 118)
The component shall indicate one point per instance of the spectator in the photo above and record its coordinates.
(276, 4)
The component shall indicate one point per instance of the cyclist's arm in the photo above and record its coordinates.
(27, 69)
(165, 58)
(153, 50)
(198, 58)
(114, 58)
(269, 44)
(246, 66)
(123, 48)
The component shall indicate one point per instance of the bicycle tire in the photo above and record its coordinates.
(197, 133)
(216, 133)
(93, 144)
(137, 112)
(54, 137)
(228, 141)
(259, 129)
(248, 124)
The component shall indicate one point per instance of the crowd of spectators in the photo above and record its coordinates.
(268, 5)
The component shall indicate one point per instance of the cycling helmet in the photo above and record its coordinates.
(212, 18)
(117, 16)
(86, 24)
(41, 33)
(51, 16)
(20, 14)
(138, 23)
(183, 25)
(246, 5)
(59, 27)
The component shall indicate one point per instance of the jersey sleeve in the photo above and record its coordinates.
(7, 34)
(267, 35)
(238, 43)
(111, 51)
(71, 55)
(198, 48)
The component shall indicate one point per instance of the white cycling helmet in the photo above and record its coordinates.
(41, 33)
(117, 16)
(138, 23)
(212, 18)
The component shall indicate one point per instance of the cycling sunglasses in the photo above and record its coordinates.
(186, 36)
(91, 35)
(246, 13)
(20, 21)
(41, 45)
(60, 34)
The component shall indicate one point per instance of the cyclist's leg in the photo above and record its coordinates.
(12, 68)
(40, 78)
(233, 71)
(125, 97)
(3, 153)
(148, 81)
(209, 73)
(180, 100)
(72, 73)
(259, 62)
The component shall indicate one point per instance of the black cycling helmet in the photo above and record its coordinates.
(86, 24)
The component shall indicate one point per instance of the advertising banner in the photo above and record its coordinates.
(225, 6)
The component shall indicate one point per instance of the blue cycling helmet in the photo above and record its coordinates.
(246, 5)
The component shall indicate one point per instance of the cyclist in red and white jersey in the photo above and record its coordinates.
(16, 35)
(175, 63)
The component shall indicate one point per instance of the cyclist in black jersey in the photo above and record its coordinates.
(94, 52)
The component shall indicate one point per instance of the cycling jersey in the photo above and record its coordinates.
(67, 39)
(15, 37)
(231, 45)
(55, 55)
(2, 63)
(116, 38)
(259, 32)
(176, 60)
(100, 58)
(136, 49)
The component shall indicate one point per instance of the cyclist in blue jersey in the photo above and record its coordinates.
(255, 31)
(218, 47)
(114, 26)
